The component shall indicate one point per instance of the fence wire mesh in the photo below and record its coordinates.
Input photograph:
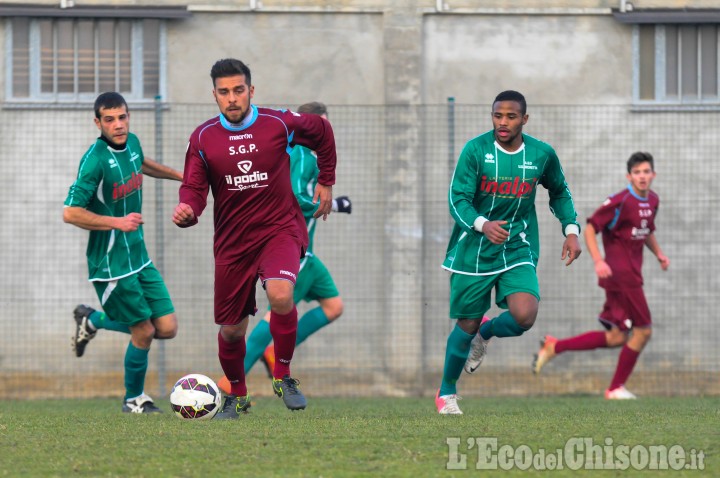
(395, 164)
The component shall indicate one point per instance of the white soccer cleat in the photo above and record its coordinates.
(478, 349)
(447, 404)
(620, 393)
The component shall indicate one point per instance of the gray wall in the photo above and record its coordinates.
(364, 59)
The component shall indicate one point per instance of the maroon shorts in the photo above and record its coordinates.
(278, 258)
(625, 309)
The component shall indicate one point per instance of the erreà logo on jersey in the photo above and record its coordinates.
(247, 179)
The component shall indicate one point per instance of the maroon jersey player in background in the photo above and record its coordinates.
(626, 221)
(242, 156)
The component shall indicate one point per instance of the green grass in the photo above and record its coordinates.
(338, 437)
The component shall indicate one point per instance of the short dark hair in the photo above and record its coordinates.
(230, 67)
(640, 157)
(512, 95)
(108, 100)
(314, 107)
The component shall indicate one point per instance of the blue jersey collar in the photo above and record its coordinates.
(635, 195)
(244, 124)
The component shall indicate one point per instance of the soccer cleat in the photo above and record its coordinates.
(478, 349)
(83, 333)
(286, 388)
(233, 407)
(546, 352)
(140, 404)
(268, 359)
(620, 393)
(224, 385)
(447, 404)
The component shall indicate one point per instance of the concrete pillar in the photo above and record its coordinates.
(403, 176)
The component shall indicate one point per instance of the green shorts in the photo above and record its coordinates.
(135, 298)
(470, 294)
(314, 281)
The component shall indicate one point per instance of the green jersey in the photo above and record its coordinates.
(304, 176)
(109, 183)
(491, 182)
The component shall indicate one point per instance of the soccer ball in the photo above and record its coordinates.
(195, 397)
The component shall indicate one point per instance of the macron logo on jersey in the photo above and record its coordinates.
(245, 180)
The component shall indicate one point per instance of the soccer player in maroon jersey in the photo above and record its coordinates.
(626, 221)
(242, 155)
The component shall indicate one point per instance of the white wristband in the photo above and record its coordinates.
(572, 229)
(479, 222)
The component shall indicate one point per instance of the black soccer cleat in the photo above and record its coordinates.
(233, 407)
(286, 388)
(83, 332)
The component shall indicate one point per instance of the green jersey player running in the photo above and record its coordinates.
(495, 241)
(106, 199)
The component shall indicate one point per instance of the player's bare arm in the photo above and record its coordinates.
(84, 219)
(160, 171)
(571, 249)
(324, 195)
(652, 244)
(602, 269)
(183, 214)
(495, 232)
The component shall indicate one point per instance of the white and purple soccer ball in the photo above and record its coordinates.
(195, 397)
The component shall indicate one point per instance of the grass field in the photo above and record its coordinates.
(382, 437)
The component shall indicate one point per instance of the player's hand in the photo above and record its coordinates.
(183, 214)
(130, 223)
(324, 195)
(495, 232)
(342, 204)
(571, 249)
(602, 269)
(664, 261)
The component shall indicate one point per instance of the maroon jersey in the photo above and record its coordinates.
(625, 220)
(247, 167)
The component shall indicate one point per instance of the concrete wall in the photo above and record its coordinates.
(387, 69)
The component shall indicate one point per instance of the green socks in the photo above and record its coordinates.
(501, 326)
(100, 320)
(312, 321)
(136, 364)
(456, 353)
(257, 342)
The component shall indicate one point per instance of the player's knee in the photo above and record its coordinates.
(643, 335)
(166, 327)
(469, 326)
(333, 309)
(616, 337)
(525, 319)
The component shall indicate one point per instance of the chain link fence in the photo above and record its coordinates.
(395, 163)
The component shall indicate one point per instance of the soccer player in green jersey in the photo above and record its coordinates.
(106, 199)
(314, 282)
(495, 240)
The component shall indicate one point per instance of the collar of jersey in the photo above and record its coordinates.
(520, 149)
(244, 124)
(636, 196)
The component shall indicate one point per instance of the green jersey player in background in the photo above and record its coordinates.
(106, 199)
(495, 240)
(314, 282)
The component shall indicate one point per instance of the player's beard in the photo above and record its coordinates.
(243, 115)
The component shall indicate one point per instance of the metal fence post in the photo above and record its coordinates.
(451, 136)
(159, 233)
